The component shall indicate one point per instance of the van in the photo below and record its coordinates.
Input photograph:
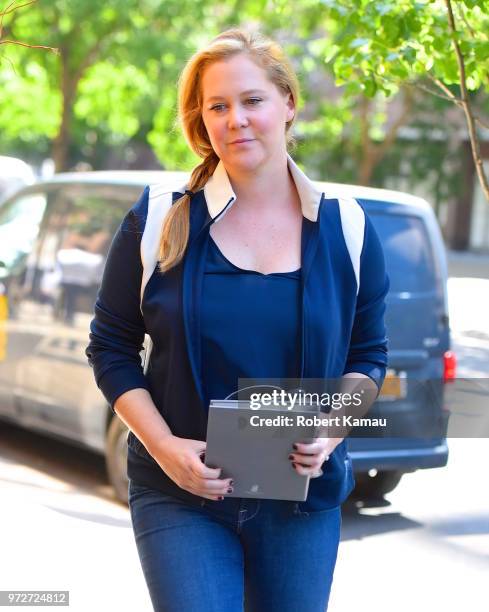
(420, 362)
(54, 239)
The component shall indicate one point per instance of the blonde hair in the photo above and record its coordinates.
(265, 53)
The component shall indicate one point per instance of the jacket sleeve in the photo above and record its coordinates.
(367, 352)
(117, 329)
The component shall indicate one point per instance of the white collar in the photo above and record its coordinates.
(218, 191)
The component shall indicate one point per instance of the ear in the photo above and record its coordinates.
(290, 107)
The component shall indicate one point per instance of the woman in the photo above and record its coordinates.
(260, 276)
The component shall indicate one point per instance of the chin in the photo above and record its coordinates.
(248, 162)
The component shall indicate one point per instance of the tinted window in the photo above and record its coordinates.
(407, 250)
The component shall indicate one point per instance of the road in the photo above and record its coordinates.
(425, 547)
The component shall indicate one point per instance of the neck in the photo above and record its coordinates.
(271, 183)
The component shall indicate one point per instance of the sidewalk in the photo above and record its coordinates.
(467, 264)
(468, 295)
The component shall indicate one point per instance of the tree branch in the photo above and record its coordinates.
(447, 91)
(10, 62)
(90, 57)
(482, 122)
(447, 95)
(462, 14)
(474, 141)
(10, 9)
(14, 8)
(413, 84)
(21, 44)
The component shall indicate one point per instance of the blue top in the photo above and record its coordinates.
(343, 287)
(244, 334)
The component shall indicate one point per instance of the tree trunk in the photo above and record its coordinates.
(469, 116)
(372, 153)
(62, 140)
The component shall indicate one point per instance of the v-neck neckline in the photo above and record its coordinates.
(246, 270)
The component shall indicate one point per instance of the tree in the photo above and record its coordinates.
(439, 46)
(112, 60)
(9, 10)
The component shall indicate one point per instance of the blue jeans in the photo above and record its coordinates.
(234, 555)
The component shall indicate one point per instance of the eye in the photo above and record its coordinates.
(253, 101)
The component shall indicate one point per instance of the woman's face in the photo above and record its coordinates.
(239, 102)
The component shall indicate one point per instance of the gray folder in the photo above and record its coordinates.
(256, 457)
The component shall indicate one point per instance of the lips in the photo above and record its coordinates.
(241, 140)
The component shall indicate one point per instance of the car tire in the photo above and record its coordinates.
(116, 458)
(375, 487)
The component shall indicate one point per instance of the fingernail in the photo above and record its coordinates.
(220, 498)
(293, 465)
(291, 456)
(231, 482)
(230, 490)
(295, 446)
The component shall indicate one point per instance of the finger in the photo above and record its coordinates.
(307, 460)
(216, 487)
(310, 448)
(316, 465)
(215, 492)
(219, 497)
(203, 471)
(305, 470)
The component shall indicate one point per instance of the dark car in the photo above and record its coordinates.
(54, 238)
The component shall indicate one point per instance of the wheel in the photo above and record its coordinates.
(116, 458)
(375, 487)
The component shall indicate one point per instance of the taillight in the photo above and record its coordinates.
(449, 366)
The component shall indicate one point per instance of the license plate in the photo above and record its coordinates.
(394, 386)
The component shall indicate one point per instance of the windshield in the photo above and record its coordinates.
(407, 250)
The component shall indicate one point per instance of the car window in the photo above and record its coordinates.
(66, 265)
(19, 225)
(8, 185)
(407, 250)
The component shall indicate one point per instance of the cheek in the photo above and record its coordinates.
(267, 122)
(216, 131)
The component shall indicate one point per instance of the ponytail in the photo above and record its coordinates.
(176, 228)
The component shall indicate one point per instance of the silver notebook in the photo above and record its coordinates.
(255, 453)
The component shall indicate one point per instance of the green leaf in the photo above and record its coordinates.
(370, 88)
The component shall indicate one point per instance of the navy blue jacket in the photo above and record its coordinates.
(344, 285)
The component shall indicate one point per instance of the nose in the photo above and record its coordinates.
(237, 117)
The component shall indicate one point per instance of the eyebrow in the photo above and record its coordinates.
(243, 93)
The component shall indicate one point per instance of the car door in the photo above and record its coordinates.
(56, 387)
(417, 327)
(20, 221)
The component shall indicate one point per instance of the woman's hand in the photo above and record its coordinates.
(181, 459)
(308, 458)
